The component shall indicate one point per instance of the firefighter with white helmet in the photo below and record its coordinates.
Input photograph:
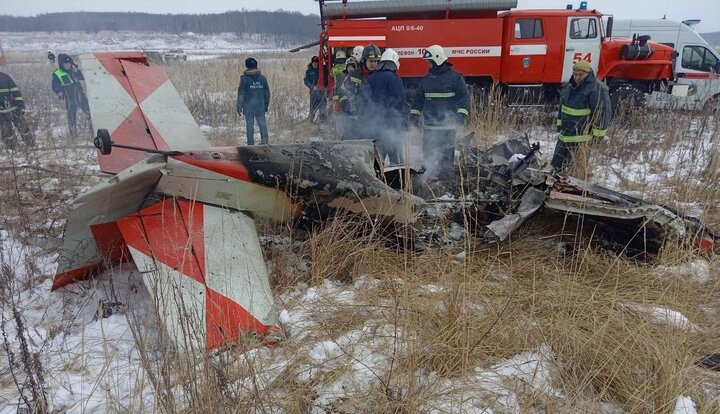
(386, 109)
(442, 100)
(350, 100)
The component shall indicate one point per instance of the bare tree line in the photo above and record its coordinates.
(278, 23)
(713, 38)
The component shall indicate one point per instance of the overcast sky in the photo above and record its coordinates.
(707, 10)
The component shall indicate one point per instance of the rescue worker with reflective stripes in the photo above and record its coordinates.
(338, 64)
(66, 85)
(340, 117)
(387, 110)
(584, 114)
(350, 99)
(12, 107)
(442, 100)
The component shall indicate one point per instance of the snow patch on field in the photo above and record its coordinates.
(198, 46)
(666, 316)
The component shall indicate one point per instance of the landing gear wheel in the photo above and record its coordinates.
(102, 142)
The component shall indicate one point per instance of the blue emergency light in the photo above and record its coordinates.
(583, 6)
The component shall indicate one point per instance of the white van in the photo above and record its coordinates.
(697, 65)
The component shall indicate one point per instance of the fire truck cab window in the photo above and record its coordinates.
(585, 28)
(698, 58)
(528, 29)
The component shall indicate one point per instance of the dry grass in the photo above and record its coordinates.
(430, 312)
(452, 316)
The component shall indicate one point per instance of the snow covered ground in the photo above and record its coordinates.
(94, 363)
(97, 357)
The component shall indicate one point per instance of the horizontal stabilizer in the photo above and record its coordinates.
(136, 102)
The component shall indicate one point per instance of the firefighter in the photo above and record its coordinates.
(66, 85)
(317, 97)
(51, 57)
(253, 100)
(338, 64)
(12, 107)
(340, 116)
(442, 100)
(350, 99)
(387, 109)
(350, 65)
(584, 114)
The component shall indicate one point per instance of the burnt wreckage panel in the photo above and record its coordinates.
(502, 187)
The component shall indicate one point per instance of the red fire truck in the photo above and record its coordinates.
(528, 53)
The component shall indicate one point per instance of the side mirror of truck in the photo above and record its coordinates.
(609, 27)
(716, 68)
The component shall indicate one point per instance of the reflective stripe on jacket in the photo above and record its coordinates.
(64, 77)
(349, 92)
(10, 97)
(442, 98)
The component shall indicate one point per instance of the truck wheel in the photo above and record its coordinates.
(712, 106)
(626, 96)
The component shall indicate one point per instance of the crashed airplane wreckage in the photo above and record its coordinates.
(183, 212)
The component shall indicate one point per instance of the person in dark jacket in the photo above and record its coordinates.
(584, 114)
(317, 97)
(253, 100)
(67, 87)
(386, 111)
(12, 107)
(340, 117)
(350, 99)
(442, 100)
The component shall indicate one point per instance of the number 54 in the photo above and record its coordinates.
(578, 57)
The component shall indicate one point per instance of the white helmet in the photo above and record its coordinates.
(340, 54)
(389, 55)
(435, 53)
(357, 52)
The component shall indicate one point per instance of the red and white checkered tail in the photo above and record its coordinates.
(136, 102)
(204, 268)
